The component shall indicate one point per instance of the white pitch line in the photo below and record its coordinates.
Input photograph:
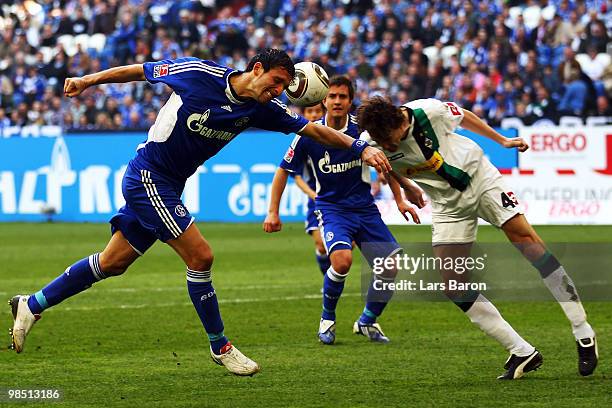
(173, 304)
(101, 288)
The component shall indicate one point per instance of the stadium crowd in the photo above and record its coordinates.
(532, 60)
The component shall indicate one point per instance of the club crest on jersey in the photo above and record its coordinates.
(180, 211)
(289, 155)
(160, 70)
(241, 122)
(329, 236)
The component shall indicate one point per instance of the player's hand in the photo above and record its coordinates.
(403, 207)
(272, 223)
(376, 158)
(415, 195)
(516, 142)
(74, 86)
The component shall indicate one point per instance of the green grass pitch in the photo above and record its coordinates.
(136, 341)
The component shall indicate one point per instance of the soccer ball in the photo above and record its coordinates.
(309, 86)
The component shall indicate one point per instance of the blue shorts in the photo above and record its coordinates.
(153, 209)
(340, 227)
(311, 223)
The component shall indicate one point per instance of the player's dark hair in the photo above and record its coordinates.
(341, 80)
(379, 117)
(272, 58)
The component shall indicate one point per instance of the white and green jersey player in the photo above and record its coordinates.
(452, 169)
(418, 139)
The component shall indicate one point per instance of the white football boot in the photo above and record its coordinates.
(327, 331)
(235, 362)
(23, 318)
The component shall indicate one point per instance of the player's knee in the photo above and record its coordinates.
(113, 266)
(201, 261)
(341, 262)
(320, 248)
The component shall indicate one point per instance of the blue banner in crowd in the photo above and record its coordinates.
(78, 178)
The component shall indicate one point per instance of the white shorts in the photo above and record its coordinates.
(487, 197)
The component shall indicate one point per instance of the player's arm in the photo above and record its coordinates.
(304, 187)
(331, 137)
(475, 124)
(272, 223)
(74, 86)
(413, 193)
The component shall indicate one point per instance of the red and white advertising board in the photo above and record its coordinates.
(564, 178)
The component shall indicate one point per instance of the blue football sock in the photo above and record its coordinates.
(323, 261)
(333, 284)
(75, 279)
(204, 299)
(377, 301)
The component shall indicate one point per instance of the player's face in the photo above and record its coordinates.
(313, 112)
(338, 102)
(392, 143)
(269, 85)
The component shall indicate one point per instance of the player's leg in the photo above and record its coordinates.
(320, 253)
(375, 241)
(337, 229)
(114, 260)
(312, 228)
(500, 207)
(524, 237)
(197, 254)
(454, 240)
(159, 208)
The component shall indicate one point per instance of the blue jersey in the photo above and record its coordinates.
(340, 178)
(202, 115)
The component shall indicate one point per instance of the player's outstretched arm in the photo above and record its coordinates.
(299, 181)
(331, 137)
(75, 86)
(272, 223)
(475, 124)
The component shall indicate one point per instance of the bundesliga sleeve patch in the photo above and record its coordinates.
(160, 70)
(289, 155)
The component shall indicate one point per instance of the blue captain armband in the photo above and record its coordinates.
(358, 146)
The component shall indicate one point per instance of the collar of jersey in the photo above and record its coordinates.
(229, 91)
(412, 119)
(348, 118)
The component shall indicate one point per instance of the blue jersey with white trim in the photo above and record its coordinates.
(340, 179)
(202, 115)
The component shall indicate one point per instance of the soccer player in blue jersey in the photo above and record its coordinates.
(211, 104)
(345, 210)
(306, 182)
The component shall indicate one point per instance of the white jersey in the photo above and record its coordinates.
(432, 155)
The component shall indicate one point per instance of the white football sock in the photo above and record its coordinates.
(564, 291)
(486, 316)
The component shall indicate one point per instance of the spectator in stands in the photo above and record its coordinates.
(380, 46)
(103, 19)
(596, 34)
(124, 38)
(603, 107)
(594, 65)
(80, 24)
